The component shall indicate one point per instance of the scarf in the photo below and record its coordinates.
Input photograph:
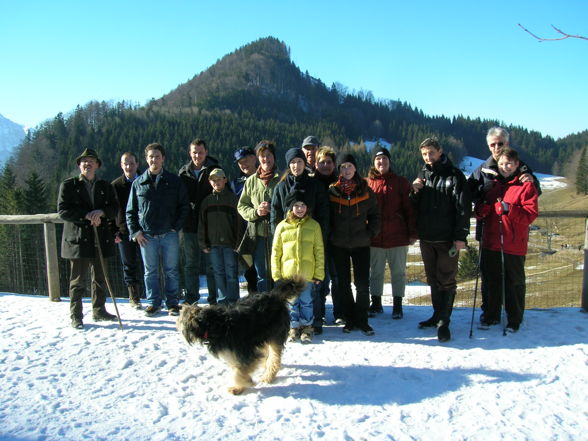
(346, 186)
(265, 176)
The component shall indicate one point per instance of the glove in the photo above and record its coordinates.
(501, 208)
(483, 210)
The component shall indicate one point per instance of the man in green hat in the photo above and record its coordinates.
(86, 202)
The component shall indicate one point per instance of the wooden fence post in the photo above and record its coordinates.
(52, 265)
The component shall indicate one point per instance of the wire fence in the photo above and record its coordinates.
(554, 265)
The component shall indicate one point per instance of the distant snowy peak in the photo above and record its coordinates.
(11, 135)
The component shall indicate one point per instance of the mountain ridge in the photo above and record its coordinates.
(11, 135)
(257, 92)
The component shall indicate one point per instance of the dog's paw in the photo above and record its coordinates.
(236, 390)
(267, 379)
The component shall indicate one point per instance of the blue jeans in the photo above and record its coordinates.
(225, 269)
(130, 256)
(301, 308)
(192, 256)
(260, 259)
(167, 247)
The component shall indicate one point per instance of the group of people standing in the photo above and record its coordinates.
(319, 219)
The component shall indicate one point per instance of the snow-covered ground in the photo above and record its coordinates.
(146, 383)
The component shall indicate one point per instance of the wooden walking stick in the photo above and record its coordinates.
(105, 272)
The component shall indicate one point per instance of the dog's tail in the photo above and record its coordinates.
(290, 288)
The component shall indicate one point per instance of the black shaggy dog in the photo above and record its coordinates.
(246, 334)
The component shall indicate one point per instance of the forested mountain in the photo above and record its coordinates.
(254, 93)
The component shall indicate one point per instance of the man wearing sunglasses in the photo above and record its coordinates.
(482, 180)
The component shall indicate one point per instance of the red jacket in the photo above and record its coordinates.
(397, 220)
(523, 209)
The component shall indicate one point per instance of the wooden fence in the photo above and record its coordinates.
(550, 230)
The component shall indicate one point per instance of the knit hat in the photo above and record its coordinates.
(379, 152)
(310, 140)
(89, 153)
(243, 152)
(217, 173)
(295, 196)
(346, 157)
(294, 153)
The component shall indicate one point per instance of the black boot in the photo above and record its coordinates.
(397, 308)
(434, 319)
(443, 333)
(191, 298)
(376, 306)
(446, 308)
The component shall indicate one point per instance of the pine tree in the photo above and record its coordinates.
(9, 203)
(582, 174)
(34, 196)
(468, 264)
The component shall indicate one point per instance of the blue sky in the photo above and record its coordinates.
(452, 58)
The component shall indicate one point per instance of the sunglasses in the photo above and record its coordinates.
(496, 144)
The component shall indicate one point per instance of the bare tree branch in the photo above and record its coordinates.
(553, 39)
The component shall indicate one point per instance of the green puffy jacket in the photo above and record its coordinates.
(254, 193)
(298, 249)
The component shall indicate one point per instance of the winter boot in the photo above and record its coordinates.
(397, 308)
(77, 323)
(294, 334)
(134, 296)
(306, 334)
(434, 319)
(446, 305)
(376, 306)
(191, 298)
(443, 333)
(103, 315)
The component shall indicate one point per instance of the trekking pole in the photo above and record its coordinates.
(104, 271)
(503, 275)
(477, 278)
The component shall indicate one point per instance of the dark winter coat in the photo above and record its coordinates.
(397, 220)
(73, 203)
(198, 188)
(443, 206)
(355, 219)
(314, 194)
(522, 199)
(157, 209)
(122, 188)
(220, 223)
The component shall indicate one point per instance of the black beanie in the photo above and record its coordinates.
(380, 151)
(346, 157)
(294, 152)
(295, 196)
